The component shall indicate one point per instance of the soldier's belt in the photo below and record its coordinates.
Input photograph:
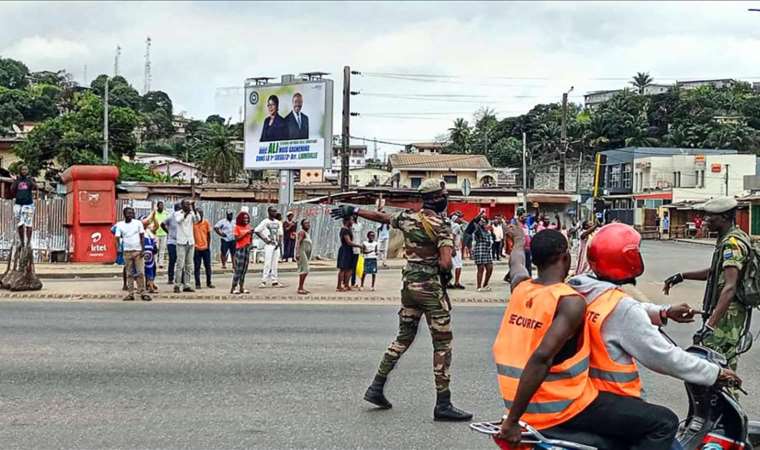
(418, 267)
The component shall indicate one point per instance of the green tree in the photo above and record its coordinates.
(13, 74)
(215, 118)
(641, 80)
(218, 158)
(459, 137)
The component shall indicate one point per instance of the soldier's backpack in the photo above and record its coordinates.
(748, 290)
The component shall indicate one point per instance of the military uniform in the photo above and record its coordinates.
(422, 293)
(731, 250)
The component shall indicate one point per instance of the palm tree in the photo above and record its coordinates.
(459, 136)
(218, 158)
(641, 80)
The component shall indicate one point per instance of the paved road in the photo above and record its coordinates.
(110, 375)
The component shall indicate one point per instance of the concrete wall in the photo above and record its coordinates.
(405, 176)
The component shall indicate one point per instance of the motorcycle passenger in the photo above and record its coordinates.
(542, 355)
(621, 328)
(729, 318)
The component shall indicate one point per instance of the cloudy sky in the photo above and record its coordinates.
(507, 56)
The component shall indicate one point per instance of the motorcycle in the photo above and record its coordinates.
(715, 421)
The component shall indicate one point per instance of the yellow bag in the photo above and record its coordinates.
(360, 266)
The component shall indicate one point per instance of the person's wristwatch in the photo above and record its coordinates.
(664, 314)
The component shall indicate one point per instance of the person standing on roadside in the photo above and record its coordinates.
(456, 254)
(23, 209)
(369, 250)
(356, 229)
(271, 233)
(729, 318)
(159, 216)
(383, 238)
(225, 229)
(185, 219)
(482, 253)
(243, 238)
(170, 227)
(202, 252)
(303, 250)
(429, 244)
(130, 234)
(498, 238)
(289, 228)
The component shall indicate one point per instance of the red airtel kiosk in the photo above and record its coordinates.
(91, 212)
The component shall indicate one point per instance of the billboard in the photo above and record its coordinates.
(289, 126)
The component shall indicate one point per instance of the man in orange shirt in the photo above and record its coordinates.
(202, 236)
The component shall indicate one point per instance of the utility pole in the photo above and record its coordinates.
(525, 173)
(578, 187)
(345, 135)
(726, 180)
(105, 124)
(563, 141)
(147, 75)
(116, 61)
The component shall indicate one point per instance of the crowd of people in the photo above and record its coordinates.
(182, 238)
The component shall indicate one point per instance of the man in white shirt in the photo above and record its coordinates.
(271, 233)
(456, 255)
(185, 219)
(130, 234)
(498, 238)
(225, 229)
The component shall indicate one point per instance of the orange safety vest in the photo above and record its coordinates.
(567, 389)
(606, 374)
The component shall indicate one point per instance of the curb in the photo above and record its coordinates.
(690, 241)
(36, 295)
(115, 274)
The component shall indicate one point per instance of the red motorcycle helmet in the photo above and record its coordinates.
(614, 253)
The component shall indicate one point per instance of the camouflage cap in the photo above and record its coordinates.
(719, 205)
(431, 185)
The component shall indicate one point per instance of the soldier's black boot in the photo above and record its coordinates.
(375, 394)
(445, 411)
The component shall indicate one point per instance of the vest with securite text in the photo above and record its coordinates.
(606, 374)
(567, 389)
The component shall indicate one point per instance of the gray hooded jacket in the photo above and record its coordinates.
(630, 332)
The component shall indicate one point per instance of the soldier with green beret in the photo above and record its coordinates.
(728, 317)
(429, 243)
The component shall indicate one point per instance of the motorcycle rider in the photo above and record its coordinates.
(542, 355)
(621, 328)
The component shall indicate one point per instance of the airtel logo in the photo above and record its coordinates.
(96, 237)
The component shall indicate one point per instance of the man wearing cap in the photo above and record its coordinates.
(428, 243)
(728, 317)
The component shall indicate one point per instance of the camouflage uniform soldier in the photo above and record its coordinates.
(429, 242)
(728, 320)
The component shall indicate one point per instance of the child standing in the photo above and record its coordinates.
(149, 256)
(369, 249)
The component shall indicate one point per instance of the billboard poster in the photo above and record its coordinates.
(288, 126)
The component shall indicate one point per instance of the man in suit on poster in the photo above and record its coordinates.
(297, 122)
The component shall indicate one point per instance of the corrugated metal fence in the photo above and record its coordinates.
(324, 229)
(48, 236)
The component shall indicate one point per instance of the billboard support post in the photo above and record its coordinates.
(286, 187)
(345, 134)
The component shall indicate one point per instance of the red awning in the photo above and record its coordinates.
(655, 196)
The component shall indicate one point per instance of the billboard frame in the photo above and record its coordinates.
(327, 117)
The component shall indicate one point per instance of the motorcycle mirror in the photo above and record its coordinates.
(745, 343)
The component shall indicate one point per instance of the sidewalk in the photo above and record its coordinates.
(702, 241)
(320, 282)
(49, 271)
